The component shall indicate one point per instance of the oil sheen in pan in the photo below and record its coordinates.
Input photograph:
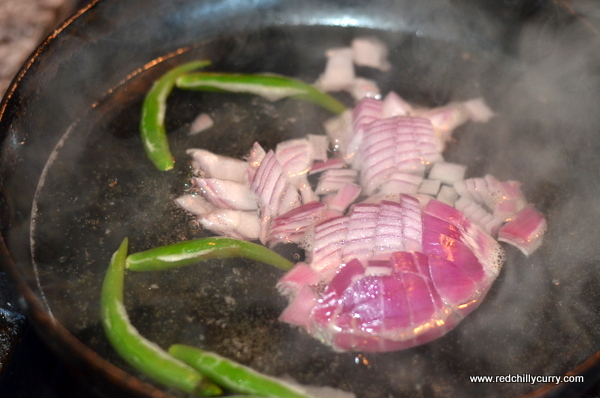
(98, 187)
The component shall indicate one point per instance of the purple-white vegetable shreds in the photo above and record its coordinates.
(400, 247)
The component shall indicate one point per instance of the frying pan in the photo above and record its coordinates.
(75, 182)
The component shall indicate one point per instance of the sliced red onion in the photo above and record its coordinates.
(295, 156)
(255, 158)
(299, 276)
(291, 227)
(407, 302)
(344, 197)
(333, 180)
(274, 193)
(399, 268)
(397, 144)
(300, 307)
(324, 250)
(484, 247)
(321, 166)
(360, 235)
(503, 198)
(210, 165)
(508, 197)
(525, 231)
(479, 214)
(364, 113)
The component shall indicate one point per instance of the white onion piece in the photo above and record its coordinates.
(364, 88)
(201, 123)
(195, 204)
(447, 118)
(394, 105)
(232, 223)
(447, 195)
(227, 194)
(370, 52)
(320, 146)
(339, 70)
(476, 188)
(448, 173)
(444, 120)
(430, 187)
(339, 131)
(478, 214)
(208, 164)
(401, 182)
(478, 110)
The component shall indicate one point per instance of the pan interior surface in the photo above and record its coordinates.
(97, 187)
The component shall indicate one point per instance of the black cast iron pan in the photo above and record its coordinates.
(75, 182)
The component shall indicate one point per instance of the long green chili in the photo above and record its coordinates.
(192, 251)
(270, 86)
(234, 376)
(152, 124)
(137, 350)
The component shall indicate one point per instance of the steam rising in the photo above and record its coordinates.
(540, 316)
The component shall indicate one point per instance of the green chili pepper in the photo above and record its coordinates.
(232, 375)
(192, 251)
(134, 348)
(152, 125)
(271, 86)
